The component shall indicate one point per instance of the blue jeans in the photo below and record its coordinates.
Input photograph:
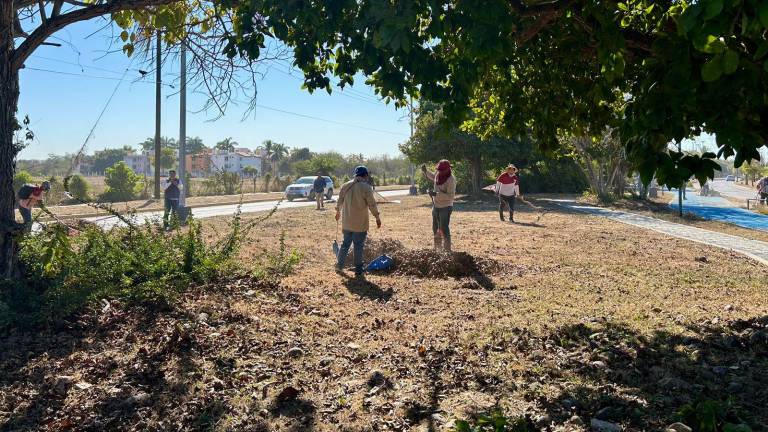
(26, 214)
(358, 238)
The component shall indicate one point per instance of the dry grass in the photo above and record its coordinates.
(584, 314)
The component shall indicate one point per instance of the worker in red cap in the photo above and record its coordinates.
(442, 195)
(29, 196)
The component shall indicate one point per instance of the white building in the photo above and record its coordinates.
(139, 163)
(235, 162)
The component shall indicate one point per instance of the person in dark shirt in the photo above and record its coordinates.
(172, 195)
(319, 188)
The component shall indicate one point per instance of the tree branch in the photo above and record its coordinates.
(41, 8)
(53, 25)
(526, 10)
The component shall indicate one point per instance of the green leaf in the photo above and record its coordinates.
(761, 51)
(124, 36)
(711, 45)
(623, 6)
(762, 13)
(730, 61)
(462, 426)
(689, 17)
(712, 70)
(713, 8)
(765, 65)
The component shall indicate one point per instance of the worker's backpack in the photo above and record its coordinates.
(26, 191)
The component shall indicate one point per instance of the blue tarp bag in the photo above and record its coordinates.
(383, 262)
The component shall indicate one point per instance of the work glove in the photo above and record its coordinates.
(378, 223)
(424, 167)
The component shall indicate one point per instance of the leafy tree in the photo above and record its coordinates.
(106, 158)
(25, 25)
(325, 164)
(434, 139)
(167, 158)
(227, 144)
(253, 173)
(20, 179)
(79, 187)
(753, 171)
(195, 145)
(121, 183)
(656, 71)
(165, 142)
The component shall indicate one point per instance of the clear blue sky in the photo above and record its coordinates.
(63, 108)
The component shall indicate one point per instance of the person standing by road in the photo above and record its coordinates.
(29, 196)
(442, 195)
(319, 188)
(762, 189)
(507, 188)
(172, 195)
(355, 201)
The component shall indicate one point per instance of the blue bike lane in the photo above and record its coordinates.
(720, 209)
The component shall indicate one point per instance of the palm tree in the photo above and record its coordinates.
(279, 152)
(227, 144)
(252, 172)
(267, 147)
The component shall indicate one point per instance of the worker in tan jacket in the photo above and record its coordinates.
(355, 201)
(442, 197)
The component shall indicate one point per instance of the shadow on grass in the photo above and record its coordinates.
(363, 287)
(643, 381)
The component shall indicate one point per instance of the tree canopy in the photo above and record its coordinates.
(657, 71)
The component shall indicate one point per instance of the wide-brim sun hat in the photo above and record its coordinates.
(512, 166)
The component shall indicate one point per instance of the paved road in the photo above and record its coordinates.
(754, 249)
(733, 190)
(108, 222)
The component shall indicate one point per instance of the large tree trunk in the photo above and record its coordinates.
(476, 171)
(9, 98)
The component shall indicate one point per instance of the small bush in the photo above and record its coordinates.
(65, 272)
(122, 183)
(279, 264)
(79, 188)
(20, 179)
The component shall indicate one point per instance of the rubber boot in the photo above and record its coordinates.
(447, 244)
(438, 243)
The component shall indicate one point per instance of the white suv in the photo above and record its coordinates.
(303, 187)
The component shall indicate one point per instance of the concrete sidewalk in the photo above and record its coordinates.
(754, 249)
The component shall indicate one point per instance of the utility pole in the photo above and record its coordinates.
(183, 127)
(158, 102)
(413, 190)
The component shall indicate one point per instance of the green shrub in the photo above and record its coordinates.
(278, 264)
(79, 188)
(138, 264)
(122, 183)
(20, 179)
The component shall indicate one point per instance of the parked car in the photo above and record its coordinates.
(303, 187)
(730, 178)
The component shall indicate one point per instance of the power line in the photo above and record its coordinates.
(84, 75)
(328, 121)
(80, 65)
